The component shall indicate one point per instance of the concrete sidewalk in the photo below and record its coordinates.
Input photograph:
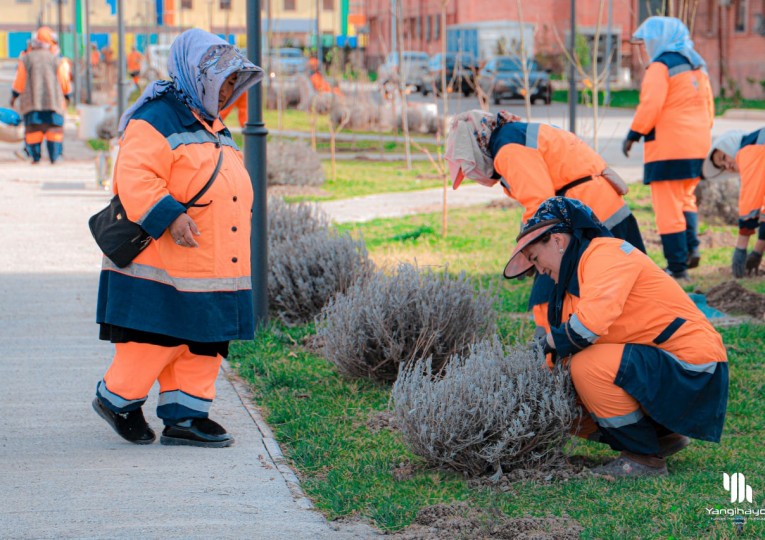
(65, 473)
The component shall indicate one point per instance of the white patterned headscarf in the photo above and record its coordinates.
(467, 147)
(198, 65)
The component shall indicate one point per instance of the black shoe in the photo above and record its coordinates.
(131, 426)
(694, 258)
(681, 275)
(198, 432)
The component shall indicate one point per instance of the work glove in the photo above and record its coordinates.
(627, 146)
(541, 342)
(753, 263)
(739, 262)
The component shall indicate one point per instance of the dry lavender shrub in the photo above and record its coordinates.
(309, 262)
(293, 163)
(390, 320)
(287, 222)
(491, 410)
(718, 200)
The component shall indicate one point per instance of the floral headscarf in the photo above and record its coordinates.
(668, 34)
(199, 63)
(467, 147)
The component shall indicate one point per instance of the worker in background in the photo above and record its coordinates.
(534, 162)
(320, 84)
(42, 86)
(742, 153)
(134, 61)
(648, 367)
(674, 117)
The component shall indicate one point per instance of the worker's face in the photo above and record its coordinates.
(724, 162)
(226, 90)
(547, 256)
(638, 48)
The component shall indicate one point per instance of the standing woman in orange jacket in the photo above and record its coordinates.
(647, 366)
(742, 153)
(534, 162)
(172, 312)
(674, 117)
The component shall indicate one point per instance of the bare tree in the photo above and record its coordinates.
(445, 114)
(402, 86)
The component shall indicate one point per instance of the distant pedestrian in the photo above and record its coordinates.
(742, 153)
(42, 86)
(674, 117)
(134, 61)
(172, 312)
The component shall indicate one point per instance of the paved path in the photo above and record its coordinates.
(65, 473)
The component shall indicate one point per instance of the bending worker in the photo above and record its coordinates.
(737, 152)
(534, 162)
(646, 364)
(675, 116)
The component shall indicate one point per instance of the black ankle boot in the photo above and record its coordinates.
(131, 426)
(196, 432)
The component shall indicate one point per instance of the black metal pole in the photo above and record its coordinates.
(121, 69)
(572, 94)
(255, 161)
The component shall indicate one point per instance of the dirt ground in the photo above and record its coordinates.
(730, 297)
(458, 521)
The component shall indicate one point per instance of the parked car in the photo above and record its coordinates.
(460, 73)
(502, 78)
(288, 61)
(415, 69)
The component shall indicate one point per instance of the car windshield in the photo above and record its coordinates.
(410, 56)
(514, 64)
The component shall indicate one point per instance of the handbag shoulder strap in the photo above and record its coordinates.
(208, 184)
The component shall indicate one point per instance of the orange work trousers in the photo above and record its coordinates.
(670, 199)
(186, 380)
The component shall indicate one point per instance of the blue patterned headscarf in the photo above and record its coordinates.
(668, 34)
(578, 220)
(198, 64)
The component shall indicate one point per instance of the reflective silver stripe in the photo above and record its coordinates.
(761, 137)
(709, 367)
(626, 247)
(176, 397)
(619, 216)
(149, 211)
(114, 399)
(195, 137)
(682, 68)
(228, 141)
(577, 326)
(142, 271)
(532, 136)
(619, 421)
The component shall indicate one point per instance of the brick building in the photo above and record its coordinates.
(729, 34)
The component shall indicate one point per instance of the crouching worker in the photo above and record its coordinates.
(534, 162)
(646, 364)
(172, 311)
(738, 152)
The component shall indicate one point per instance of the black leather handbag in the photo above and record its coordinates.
(120, 239)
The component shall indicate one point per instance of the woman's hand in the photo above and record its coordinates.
(183, 230)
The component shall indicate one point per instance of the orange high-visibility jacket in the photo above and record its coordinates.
(40, 63)
(134, 60)
(624, 297)
(241, 108)
(199, 294)
(751, 165)
(675, 116)
(538, 161)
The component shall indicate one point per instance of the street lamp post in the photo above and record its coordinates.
(255, 161)
(572, 95)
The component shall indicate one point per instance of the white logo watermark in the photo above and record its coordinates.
(739, 490)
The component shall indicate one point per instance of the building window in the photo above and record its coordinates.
(427, 28)
(436, 27)
(709, 22)
(739, 16)
(289, 5)
(328, 5)
(418, 27)
(649, 8)
(186, 4)
(225, 5)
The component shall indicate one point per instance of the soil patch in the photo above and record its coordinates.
(381, 420)
(459, 521)
(730, 297)
(504, 203)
